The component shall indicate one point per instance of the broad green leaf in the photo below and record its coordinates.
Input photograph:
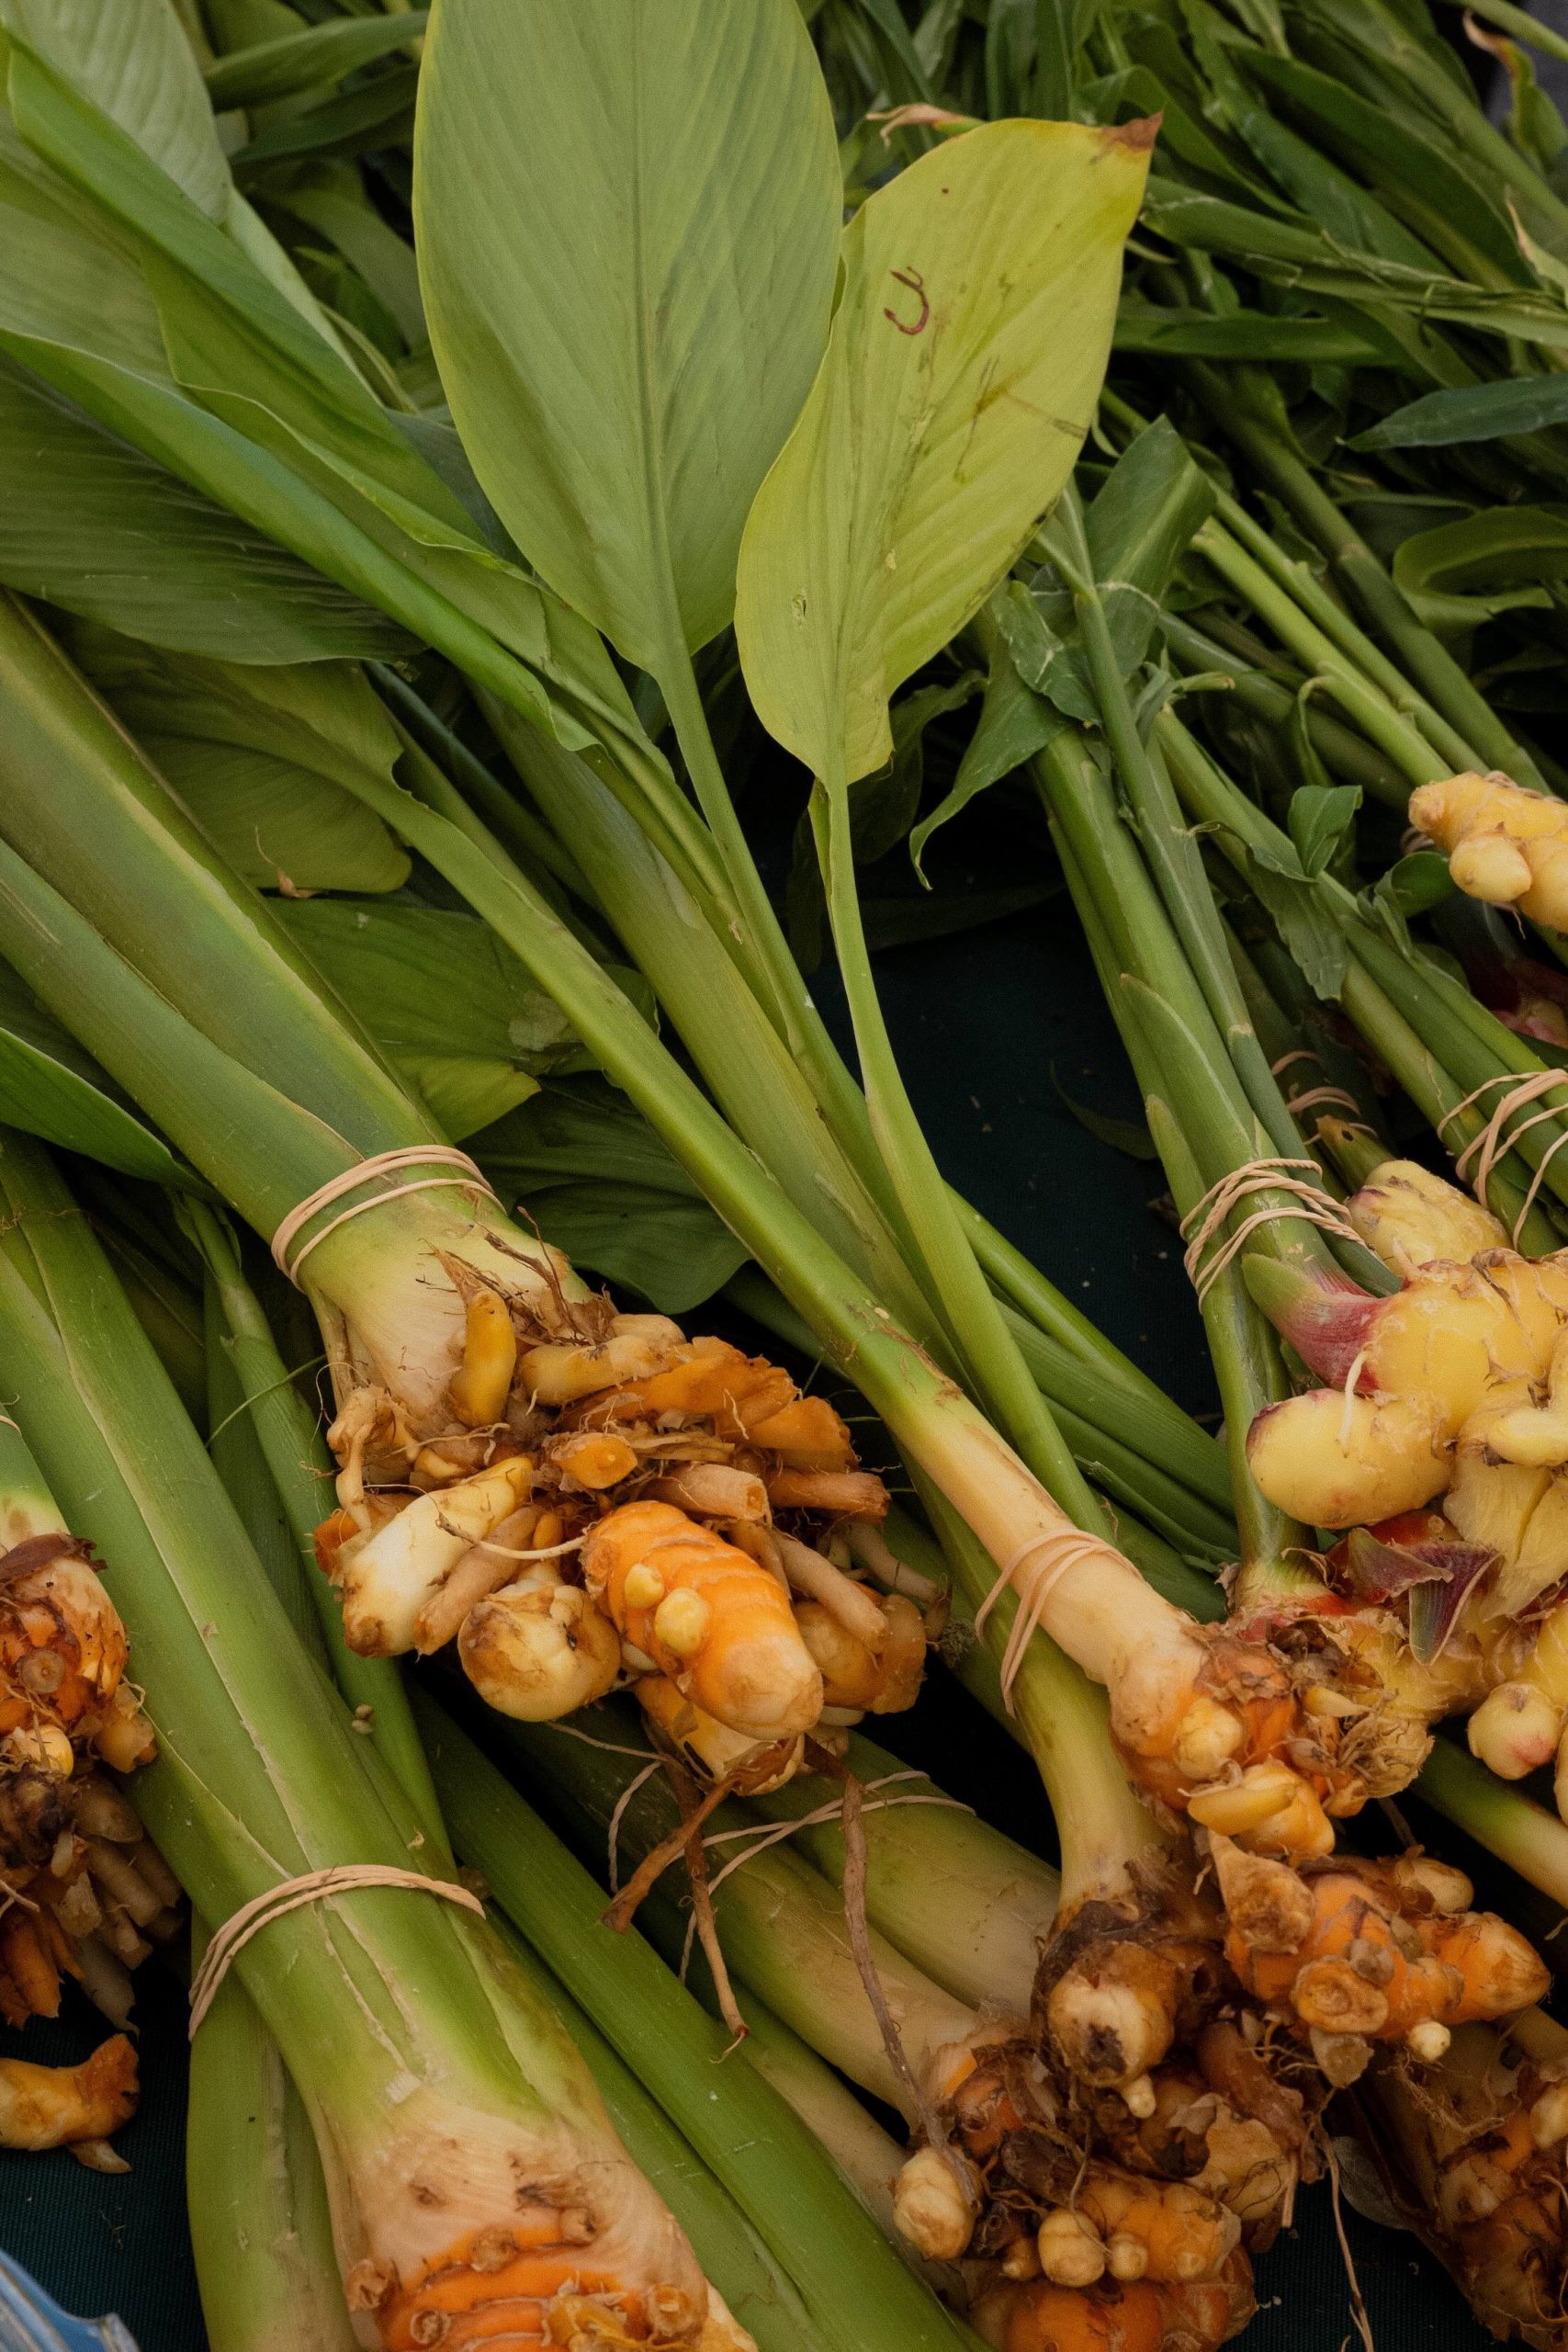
(978, 292)
(603, 1187)
(270, 70)
(627, 304)
(132, 58)
(90, 525)
(258, 755)
(443, 997)
(333, 201)
(1504, 546)
(50, 1087)
(1319, 817)
(1471, 412)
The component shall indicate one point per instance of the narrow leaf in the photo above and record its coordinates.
(269, 70)
(1471, 412)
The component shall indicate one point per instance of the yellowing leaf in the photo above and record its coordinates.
(978, 297)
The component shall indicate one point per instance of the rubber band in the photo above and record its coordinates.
(1495, 1140)
(293, 1895)
(1358, 1365)
(1076, 1547)
(382, 1164)
(1296, 1103)
(1299, 1054)
(1314, 1205)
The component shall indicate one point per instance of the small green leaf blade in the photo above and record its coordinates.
(627, 304)
(266, 71)
(50, 1087)
(1471, 412)
(978, 297)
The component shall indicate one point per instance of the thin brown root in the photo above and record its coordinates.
(694, 1812)
(654, 1864)
(1358, 2306)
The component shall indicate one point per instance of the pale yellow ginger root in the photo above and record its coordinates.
(1519, 1726)
(1409, 1219)
(1507, 846)
(1462, 1355)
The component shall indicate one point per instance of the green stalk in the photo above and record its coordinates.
(1463, 714)
(780, 1922)
(856, 2288)
(1499, 1816)
(1380, 721)
(963, 1902)
(1242, 1347)
(1346, 754)
(290, 1439)
(1475, 1048)
(260, 2227)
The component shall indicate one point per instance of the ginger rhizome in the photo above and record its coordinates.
(1506, 845)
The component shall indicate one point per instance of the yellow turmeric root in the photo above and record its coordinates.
(1507, 846)
(1356, 1952)
(705, 1614)
(1034, 2315)
(507, 1529)
(51, 2106)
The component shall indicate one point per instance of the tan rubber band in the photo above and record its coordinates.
(1316, 1094)
(1075, 1547)
(1495, 1140)
(382, 1164)
(292, 1894)
(1314, 1205)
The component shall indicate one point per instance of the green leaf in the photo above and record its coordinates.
(89, 524)
(132, 58)
(1502, 548)
(1417, 883)
(261, 757)
(269, 70)
(1129, 1136)
(1014, 723)
(1471, 412)
(623, 369)
(50, 1087)
(604, 1188)
(1319, 817)
(377, 113)
(978, 298)
(443, 997)
(1139, 527)
(1310, 935)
